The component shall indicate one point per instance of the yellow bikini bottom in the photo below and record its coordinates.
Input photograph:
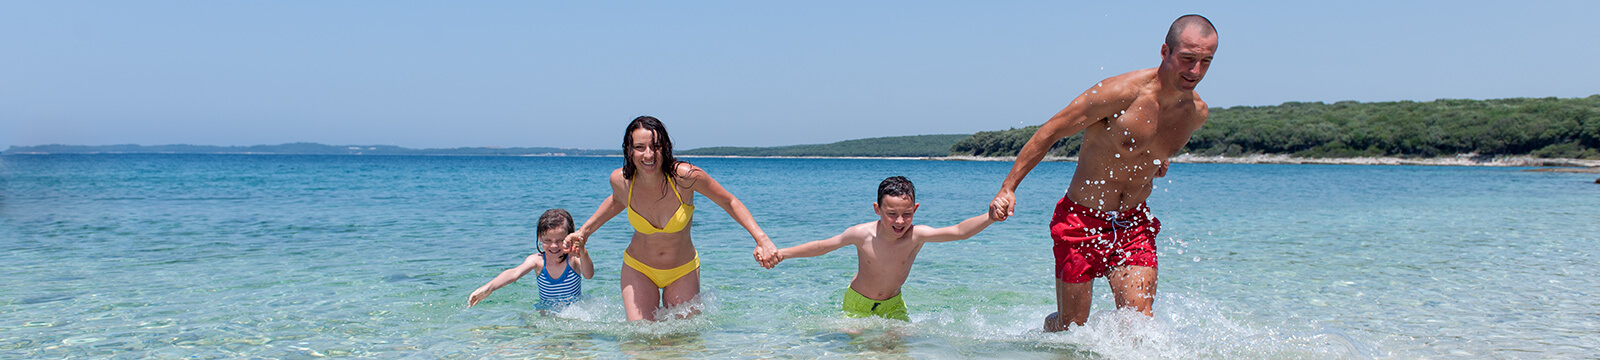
(662, 278)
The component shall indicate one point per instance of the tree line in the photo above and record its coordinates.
(1544, 127)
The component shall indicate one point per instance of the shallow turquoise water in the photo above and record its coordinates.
(223, 256)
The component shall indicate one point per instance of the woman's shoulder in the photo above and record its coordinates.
(688, 171)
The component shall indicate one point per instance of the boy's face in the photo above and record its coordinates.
(553, 241)
(896, 211)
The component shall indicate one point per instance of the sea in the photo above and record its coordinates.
(155, 256)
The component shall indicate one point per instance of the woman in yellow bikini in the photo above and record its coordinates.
(662, 268)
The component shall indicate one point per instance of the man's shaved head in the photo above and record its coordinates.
(1183, 23)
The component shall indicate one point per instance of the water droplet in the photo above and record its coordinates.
(1094, 91)
(1158, 161)
(1119, 156)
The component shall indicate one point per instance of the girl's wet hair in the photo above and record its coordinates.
(556, 219)
(896, 186)
(668, 163)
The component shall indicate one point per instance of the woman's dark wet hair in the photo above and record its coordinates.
(896, 186)
(668, 163)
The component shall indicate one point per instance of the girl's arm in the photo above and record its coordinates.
(701, 182)
(533, 263)
(966, 229)
(585, 267)
(609, 208)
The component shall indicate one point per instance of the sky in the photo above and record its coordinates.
(719, 73)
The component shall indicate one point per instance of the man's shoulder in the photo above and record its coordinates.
(1128, 85)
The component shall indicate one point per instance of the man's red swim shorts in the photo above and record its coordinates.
(1089, 242)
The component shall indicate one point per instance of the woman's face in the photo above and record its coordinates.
(644, 152)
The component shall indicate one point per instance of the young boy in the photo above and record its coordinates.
(558, 269)
(885, 249)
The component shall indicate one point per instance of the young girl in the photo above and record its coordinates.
(558, 267)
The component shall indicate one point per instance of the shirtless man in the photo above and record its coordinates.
(1132, 124)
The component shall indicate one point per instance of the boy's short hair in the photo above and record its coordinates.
(896, 186)
(554, 219)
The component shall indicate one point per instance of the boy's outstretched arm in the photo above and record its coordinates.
(966, 229)
(851, 236)
(507, 277)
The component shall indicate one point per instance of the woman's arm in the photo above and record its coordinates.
(533, 263)
(701, 182)
(609, 208)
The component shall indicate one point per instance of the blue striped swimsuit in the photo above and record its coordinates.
(555, 292)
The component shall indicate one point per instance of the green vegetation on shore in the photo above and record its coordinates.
(1547, 128)
(297, 149)
(897, 146)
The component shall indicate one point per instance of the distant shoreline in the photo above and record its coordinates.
(1458, 160)
(1581, 165)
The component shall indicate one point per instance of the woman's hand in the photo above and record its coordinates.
(766, 253)
(576, 241)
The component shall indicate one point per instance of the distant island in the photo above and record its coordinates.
(1451, 132)
(1539, 128)
(896, 146)
(302, 149)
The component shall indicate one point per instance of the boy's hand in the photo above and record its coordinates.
(1003, 206)
(766, 253)
(777, 257)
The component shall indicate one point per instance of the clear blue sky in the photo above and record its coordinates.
(740, 73)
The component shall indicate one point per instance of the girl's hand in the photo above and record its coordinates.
(575, 242)
(478, 295)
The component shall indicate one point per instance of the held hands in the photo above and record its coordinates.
(575, 242)
(766, 253)
(1003, 206)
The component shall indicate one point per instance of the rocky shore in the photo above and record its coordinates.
(1577, 165)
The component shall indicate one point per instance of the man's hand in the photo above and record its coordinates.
(1003, 206)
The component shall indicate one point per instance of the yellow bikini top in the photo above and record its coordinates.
(679, 219)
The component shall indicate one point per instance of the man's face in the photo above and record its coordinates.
(896, 211)
(1188, 63)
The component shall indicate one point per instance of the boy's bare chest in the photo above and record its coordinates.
(892, 253)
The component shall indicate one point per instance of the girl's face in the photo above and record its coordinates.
(553, 241)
